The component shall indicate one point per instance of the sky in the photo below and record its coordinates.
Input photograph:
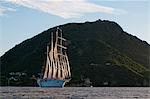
(23, 19)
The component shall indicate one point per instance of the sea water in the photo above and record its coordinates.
(75, 93)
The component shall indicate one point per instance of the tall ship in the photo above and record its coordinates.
(56, 70)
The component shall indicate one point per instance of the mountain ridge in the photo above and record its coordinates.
(110, 45)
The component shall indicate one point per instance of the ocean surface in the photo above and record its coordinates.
(75, 93)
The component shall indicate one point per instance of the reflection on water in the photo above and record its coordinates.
(75, 93)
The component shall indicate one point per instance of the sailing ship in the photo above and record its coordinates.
(57, 69)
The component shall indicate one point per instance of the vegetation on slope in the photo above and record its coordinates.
(100, 51)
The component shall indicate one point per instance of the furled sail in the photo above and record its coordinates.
(57, 64)
(47, 65)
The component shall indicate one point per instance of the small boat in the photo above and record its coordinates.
(57, 69)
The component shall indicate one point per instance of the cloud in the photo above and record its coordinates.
(3, 10)
(65, 8)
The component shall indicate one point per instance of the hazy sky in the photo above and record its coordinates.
(23, 19)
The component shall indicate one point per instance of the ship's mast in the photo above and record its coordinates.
(57, 64)
(46, 68)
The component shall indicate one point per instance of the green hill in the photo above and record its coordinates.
(100, 51)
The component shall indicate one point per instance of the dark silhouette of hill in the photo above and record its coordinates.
(100, 51)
